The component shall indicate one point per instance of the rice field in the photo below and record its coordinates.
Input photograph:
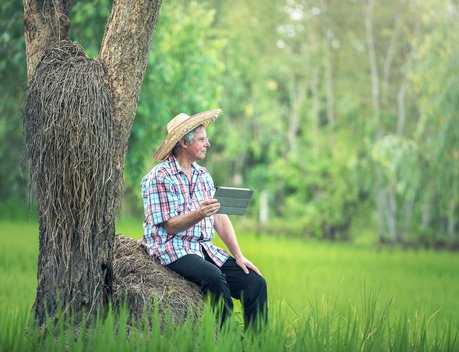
(322, 297)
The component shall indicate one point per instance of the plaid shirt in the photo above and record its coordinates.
(166, 193)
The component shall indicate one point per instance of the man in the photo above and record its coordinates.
(181, 215)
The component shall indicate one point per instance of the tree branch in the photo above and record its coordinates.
(45, 23)
(124, 53)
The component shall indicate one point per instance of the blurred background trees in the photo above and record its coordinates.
(342, 116)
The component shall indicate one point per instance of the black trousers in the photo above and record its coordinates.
(226, 282)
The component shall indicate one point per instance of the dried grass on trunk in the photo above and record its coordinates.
(69, 133)
(142, 281)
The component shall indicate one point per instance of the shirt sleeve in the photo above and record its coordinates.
(209, 184)
(160, 199)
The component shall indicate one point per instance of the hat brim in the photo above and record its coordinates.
(204, 118)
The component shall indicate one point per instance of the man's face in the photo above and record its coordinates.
(197, 149)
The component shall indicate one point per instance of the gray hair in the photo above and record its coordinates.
(189, 138)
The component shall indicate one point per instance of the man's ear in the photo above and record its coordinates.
(183, 143)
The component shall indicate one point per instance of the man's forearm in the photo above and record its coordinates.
(226, 232)
(182, 222)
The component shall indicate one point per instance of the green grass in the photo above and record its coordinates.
(323, 297)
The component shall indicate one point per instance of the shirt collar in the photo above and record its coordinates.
(175, 166)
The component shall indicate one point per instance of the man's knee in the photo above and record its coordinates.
(257, 288)
(261, 282)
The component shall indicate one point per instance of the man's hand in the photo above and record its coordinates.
(246, 264)
(226, 232)
(185, 221)
(209, 207)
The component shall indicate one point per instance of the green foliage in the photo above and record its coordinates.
(398, 158)
(321, 203)
(438, 130)
(88, 23)
(401, 163)
(294, 81)
(182, 76)
(12, 86)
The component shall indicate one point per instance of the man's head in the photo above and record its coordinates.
(189, 132)
(194, 144)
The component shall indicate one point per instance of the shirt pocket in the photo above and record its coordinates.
(202, 193)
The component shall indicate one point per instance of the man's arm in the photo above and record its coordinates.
(183, 222)
(225, 230)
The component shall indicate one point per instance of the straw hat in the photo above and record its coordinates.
(180, 125)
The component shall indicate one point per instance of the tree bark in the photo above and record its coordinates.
(45, 23)
(124, 53)
(82, 280)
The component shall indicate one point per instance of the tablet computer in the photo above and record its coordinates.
(233, 201)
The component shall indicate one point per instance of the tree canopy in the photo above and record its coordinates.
(342, 116)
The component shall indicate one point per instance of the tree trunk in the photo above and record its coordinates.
(375, 100)
(75, 256)
(315, 110)
(264, 207)
(329, 83)
(45, 23)
(391, 51)
(391, 215)
(451, 220)
(124, 53)
(401, 95)
(297, 94)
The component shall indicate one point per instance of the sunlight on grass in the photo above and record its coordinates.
(321, 295)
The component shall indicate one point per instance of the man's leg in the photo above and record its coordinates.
(250, 288)
(207, 276)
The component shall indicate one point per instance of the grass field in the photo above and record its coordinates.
(322, 297)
